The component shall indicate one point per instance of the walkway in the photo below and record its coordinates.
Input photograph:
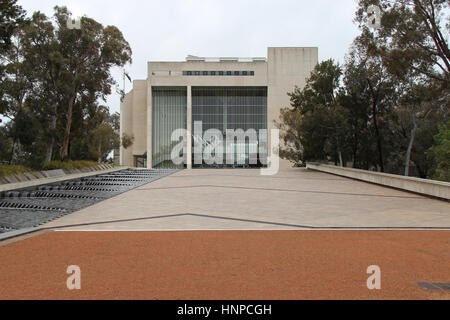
(243, 200)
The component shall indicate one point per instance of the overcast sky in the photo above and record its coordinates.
(169, 30)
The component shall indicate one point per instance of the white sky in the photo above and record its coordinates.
(169, 30)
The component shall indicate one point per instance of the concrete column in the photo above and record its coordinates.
(149, 126)
(189, 127)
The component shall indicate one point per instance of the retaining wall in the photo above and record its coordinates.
(432, 188)
(26, 180)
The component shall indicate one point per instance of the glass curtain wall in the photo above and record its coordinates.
(233, 108)
(169, 114)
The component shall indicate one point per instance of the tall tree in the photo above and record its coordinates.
(16, 86)
(440, 153)
(289, 123)
(356, 100)
(41, 54)
(71, 70)
(12, 15)
(413, 37)
(88, 54)
(411, 47)
(93, 134)
(320, 130)
(379, 86)
(417, 105)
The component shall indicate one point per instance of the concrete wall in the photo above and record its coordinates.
(139, 126)
(287, 68)
(426, 187)
(149, 125)
(158, 74)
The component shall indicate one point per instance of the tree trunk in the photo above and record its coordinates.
(100, 152)
(51, 141)
(410, 146)
(66, 141)
(377, 133)
(339, 153)
(49, 150)
(12, 151)
(375, 123)
(355, 151)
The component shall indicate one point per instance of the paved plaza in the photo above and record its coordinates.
(294, 199)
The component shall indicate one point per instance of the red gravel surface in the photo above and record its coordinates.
(289, 265)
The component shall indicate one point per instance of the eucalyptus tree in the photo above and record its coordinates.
(71, 69)
(412, 37)
(87, 56)
(411, 46)
(11, 18)
(316, 122)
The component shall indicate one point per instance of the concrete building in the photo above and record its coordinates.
(223, 93)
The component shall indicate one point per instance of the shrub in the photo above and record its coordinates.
(9, 170)
(69, 165)
(440, 153)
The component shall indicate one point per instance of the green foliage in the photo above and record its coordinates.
(290, 133)
(360, 136)
(127, 141)
(412, 38)
(69, 165)
(332, 119)
(321, 87)
(11, 18)
(440, 154)
(315, 129)
(94, 135)
(12, 15)
(86, 57)
(9, 170)
(5, 145)
(53, 80)
(383, 113)
(25, 128)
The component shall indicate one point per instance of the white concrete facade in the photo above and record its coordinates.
(280, 73)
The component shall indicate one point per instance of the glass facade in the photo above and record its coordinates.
(232, 108)
(169, 114)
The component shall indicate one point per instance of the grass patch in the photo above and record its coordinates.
(69, 165)
(9, 170)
